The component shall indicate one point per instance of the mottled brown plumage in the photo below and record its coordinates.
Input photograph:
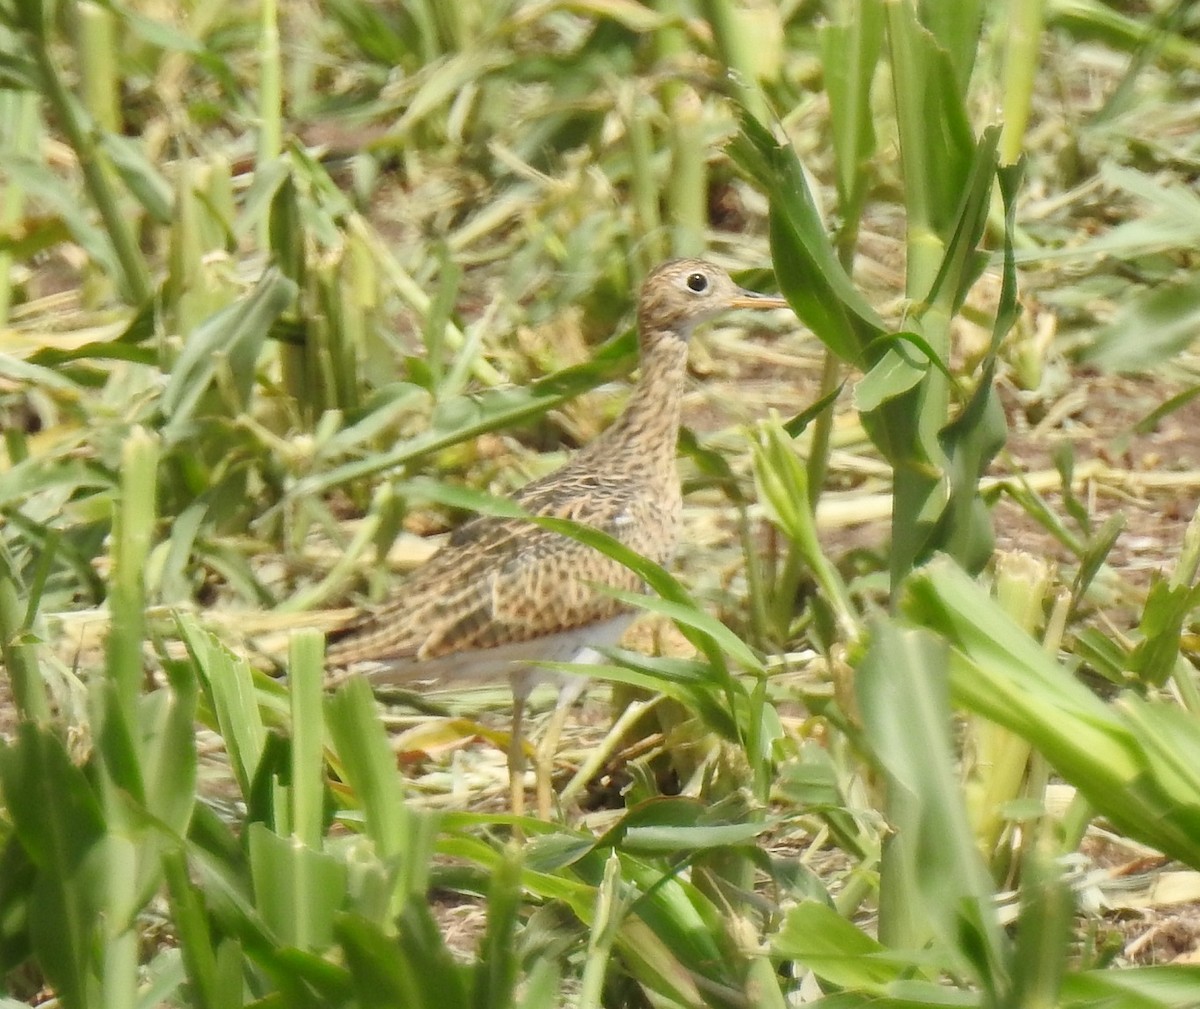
(503, 593)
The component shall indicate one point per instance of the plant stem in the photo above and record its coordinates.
(97, 177)
(1025, 18)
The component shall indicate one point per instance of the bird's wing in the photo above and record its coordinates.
(499, 581)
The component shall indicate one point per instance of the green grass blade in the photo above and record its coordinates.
(850, 49)
(80, 133)
(20, 656)
(403, 838)
(497, 966)
(298, 891)
(603, 933)
(956, 27)
(231, 339)
(59, 823)
(468, 417)
(1042, 950)
(191, 926)
(820, 940)
(168, 720)
(782, 485)
(933, 884)
(133, 532)
(229, 688)
(1023, 23)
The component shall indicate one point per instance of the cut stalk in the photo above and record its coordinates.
(1001, 756)
(133, 532)
(99, 84)
(270, 99)
(307, 790)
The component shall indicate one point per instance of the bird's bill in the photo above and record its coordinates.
(752, 299)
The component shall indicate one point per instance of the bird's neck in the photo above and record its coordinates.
(647, 430)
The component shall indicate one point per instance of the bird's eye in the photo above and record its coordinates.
(697, 283)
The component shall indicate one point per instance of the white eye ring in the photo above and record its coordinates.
(697, 283)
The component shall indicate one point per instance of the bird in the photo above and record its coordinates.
(504, 594)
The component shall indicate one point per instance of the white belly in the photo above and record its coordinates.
(516, 661)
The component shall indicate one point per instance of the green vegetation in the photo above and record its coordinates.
(279, 285)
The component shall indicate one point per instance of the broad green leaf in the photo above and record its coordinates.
(1150, 329)
(1020, 682)
(1123, 759)
(676, 826)
(892, 375)
(1163, 986)
(1171, 737)
(152, 191)
(970, 443)
(810, 276)
(1167, 607)
(672, 935)
(821, 940)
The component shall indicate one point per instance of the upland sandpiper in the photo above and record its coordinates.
(505, 593)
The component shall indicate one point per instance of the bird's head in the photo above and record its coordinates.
(683, 292)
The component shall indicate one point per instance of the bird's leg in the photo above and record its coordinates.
(547, 747)
(516, 746)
